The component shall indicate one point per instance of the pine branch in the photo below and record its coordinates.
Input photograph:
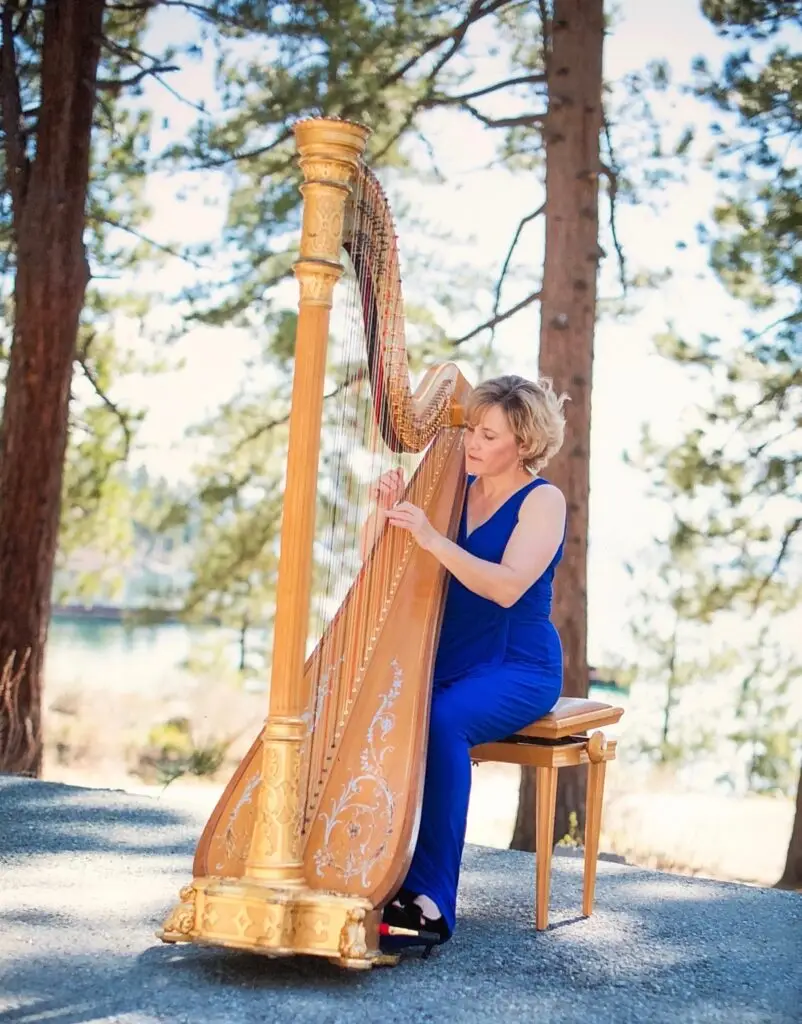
(264, 428)
(247, 154)
(122, 418)
(115, 86)
(133, 55)
(612, 191)
(105, 219)
(488, 89)
(428, 99)
(519, 121)
(516, 238)
(130, 54)
(502, 276)
(455, 36)
(757, 450)
(498, 319)
(476, 12)
(790, 532)
(208, 14)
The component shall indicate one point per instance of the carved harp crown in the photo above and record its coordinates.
(326, 802)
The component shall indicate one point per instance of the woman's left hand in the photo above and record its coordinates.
(409, 517)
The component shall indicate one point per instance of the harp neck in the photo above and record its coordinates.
(329, 158)
(408, 420)
(330, 153)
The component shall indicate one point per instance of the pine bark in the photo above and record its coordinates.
(48, 195)
(792, 874)
(568, 311)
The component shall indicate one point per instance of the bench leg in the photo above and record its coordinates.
(593, 811)
(546, 790)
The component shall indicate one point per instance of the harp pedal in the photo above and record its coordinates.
(396, 939)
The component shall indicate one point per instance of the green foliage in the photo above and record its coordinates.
(756, 19)
(384, 64)
(733, 480)
(387, 64)
(742, 456)
(572, 839)
(172, 752)
(96, 500)
(767, 730)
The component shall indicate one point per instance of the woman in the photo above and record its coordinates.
(499, 660)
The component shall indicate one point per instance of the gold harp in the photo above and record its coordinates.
(315, 831)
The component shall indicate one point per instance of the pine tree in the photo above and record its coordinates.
(48, 187)
(735, 475)
(572, 128)
(54, 59)
(387, 63)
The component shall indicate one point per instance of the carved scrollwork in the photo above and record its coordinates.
(353, 939)
(324, 214)
(317, 282)
(181, 921)
(363, 814)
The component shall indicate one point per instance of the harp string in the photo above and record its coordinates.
(357, 352)
(332, 540)
(353, 454)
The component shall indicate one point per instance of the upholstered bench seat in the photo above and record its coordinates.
(560, 740)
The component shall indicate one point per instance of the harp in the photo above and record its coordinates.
(316, 829)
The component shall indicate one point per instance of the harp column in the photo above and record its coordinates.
(329, 157)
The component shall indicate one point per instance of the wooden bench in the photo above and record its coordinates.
(559, 740)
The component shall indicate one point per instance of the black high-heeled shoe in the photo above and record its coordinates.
(407, 927)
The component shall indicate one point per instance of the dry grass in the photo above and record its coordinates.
(118, 734)
(119, 739)
(650, 822)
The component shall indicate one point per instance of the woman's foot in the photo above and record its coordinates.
(396, 913)
(431, 918)
(407, 924)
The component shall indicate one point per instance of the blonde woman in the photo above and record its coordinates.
(499, 660)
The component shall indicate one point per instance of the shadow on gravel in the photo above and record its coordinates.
(53, 819)
(720, 956)
(659, 948)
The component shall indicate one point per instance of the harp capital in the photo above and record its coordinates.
(317, 279)
(330, 153)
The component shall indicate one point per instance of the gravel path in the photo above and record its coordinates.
(86, 876)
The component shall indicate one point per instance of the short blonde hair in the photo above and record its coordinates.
(534, 412)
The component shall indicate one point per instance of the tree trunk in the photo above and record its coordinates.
(792, 875)
(48, 203)
(568, 312)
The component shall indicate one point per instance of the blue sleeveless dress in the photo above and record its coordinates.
(497, 669)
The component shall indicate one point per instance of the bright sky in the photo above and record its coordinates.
(631, 384)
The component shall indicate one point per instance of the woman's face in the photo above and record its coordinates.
(491, 447)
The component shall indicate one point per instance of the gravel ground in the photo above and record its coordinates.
(86, 876)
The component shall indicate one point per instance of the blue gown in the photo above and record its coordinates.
(497, 669)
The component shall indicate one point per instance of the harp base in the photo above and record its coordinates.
(242, 913)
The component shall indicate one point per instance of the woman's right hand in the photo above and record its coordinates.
(388, 489)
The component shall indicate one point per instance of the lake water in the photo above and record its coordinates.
(93, 654)
(96, 654)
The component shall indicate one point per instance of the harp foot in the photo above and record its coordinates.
(379, 960)
(243, 913)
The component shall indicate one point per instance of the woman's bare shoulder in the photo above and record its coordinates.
(546, 498)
